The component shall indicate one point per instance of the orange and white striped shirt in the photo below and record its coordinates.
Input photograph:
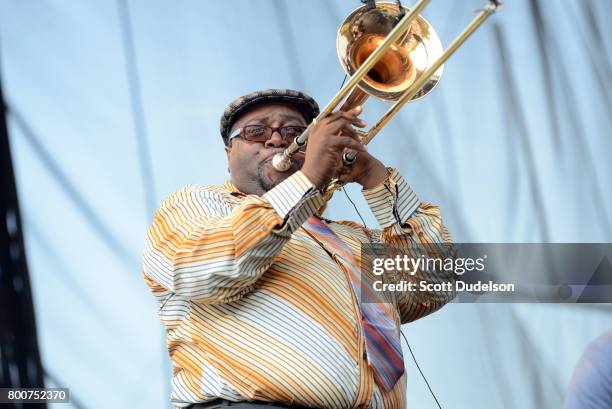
(256, 309)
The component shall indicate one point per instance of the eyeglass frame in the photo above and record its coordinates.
(238, 132)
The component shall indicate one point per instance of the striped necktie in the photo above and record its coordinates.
(382, 340)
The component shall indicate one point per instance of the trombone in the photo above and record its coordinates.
(392, 60)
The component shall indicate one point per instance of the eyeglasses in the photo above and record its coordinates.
(262, 133)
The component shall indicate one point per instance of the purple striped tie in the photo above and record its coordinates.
(381, 334)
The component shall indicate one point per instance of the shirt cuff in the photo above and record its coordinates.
(295, 199)
(392, 201)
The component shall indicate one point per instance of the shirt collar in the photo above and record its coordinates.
(234, 191)
(228, 185)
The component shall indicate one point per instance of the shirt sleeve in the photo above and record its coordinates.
(411, 227)
(591, 386)
(203, 245)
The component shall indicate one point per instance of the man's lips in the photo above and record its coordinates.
(274, 154)
(268, 160)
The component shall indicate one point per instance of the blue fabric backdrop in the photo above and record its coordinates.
(115, 104)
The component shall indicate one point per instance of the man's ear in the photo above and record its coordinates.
(228, 150)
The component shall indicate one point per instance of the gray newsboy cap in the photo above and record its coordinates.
(307, 106)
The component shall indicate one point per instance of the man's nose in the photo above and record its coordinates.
(276, 141)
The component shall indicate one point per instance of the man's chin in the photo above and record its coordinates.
(270, 177)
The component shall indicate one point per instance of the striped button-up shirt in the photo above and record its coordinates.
(256, 309)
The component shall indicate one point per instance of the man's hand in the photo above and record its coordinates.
(365, 170)
(327, 141)
(326, 144)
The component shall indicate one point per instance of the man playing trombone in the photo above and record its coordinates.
(259, 294)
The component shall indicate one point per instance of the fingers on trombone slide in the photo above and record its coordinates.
(351, 116)
(349, 141)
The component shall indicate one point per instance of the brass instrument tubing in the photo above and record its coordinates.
(368, 64)
(418, 84)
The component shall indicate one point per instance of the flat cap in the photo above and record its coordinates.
(305, 104)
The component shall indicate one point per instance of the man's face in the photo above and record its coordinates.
(250, 163)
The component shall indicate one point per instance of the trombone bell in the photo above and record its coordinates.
(361, 33)
(406, 66)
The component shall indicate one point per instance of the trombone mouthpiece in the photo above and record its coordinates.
(281, 162)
